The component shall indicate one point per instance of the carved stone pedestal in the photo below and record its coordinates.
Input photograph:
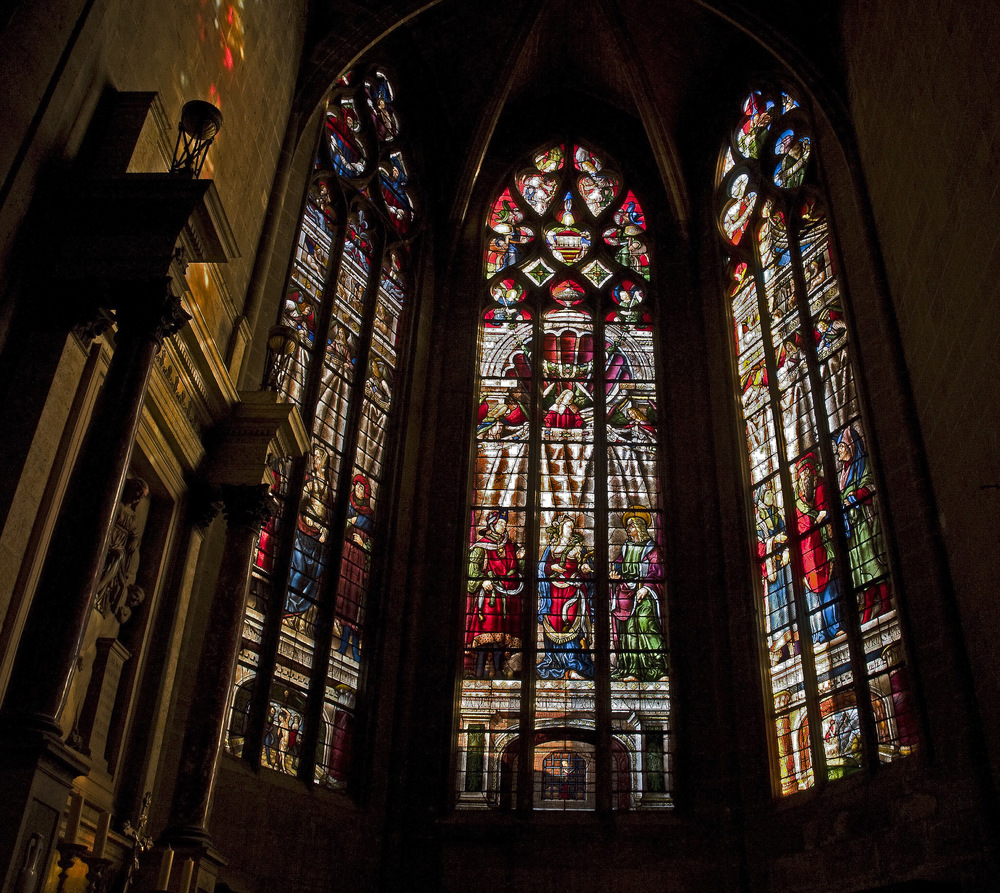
(95, 717)
(38, 777)
(203, 863)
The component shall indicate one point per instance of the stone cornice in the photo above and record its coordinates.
(126, 228)
(260, 426)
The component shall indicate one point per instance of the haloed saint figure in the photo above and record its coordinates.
(565, 603)
(636, 599)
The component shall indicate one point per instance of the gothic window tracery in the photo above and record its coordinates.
(565, 659)
(827, 606)
(344, 319)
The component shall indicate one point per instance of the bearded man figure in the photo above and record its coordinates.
(636, 596)
(815, 542)
(493, 613)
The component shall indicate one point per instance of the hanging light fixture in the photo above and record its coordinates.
(200, 124)
(282, 342)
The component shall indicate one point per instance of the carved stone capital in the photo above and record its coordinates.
(203, 504)
(247, 506)
(92, 321)
(172, 319)
(151, 310)
(259, 427)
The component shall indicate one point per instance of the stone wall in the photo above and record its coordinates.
(928, 132)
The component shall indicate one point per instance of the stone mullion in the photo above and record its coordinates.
(383, 532)
(802, 623)
(664, 508)
(603, 707)
(532, 537)
(323, 637)
(267, 655)
(665, 511)
(848, 598)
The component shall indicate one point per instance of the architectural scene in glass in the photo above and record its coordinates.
(565, 571)
(830, 633)
(335, 353)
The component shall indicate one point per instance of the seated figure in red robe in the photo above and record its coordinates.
(564, 413)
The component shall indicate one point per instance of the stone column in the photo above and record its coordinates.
(119, 235)
(246, 508)
(50, 643)
(41, 768)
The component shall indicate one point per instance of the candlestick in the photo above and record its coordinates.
(166, 863)
(98, 872)
(68, 854)
(101, 835)
(73, 819)
(186, 873)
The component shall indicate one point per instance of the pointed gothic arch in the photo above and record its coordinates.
(830, 634)
(339, 353)
(565, 569)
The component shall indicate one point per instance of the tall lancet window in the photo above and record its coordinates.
(340, 348)
(830, 636)
(565, 694)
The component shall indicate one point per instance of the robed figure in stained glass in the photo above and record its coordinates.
(504, 418)
(264, 555)
(636, 576)
(354, 565)
(495, 591)
(822, 587)
(507, 237)
(300, 314)
(564, 413)
(633, 422)
(776, 571)
(374, 410)
(335, 386)
(565, 600)
(309, 548)
(834, 367)
(346, 149)
(864, 534)
(799, 423)
(754, 127)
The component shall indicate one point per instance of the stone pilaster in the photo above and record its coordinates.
(49, 647)
(246, 508)
(40, 768)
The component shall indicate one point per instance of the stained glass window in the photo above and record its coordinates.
(839, 693)
(565, 678)
(344, 316)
